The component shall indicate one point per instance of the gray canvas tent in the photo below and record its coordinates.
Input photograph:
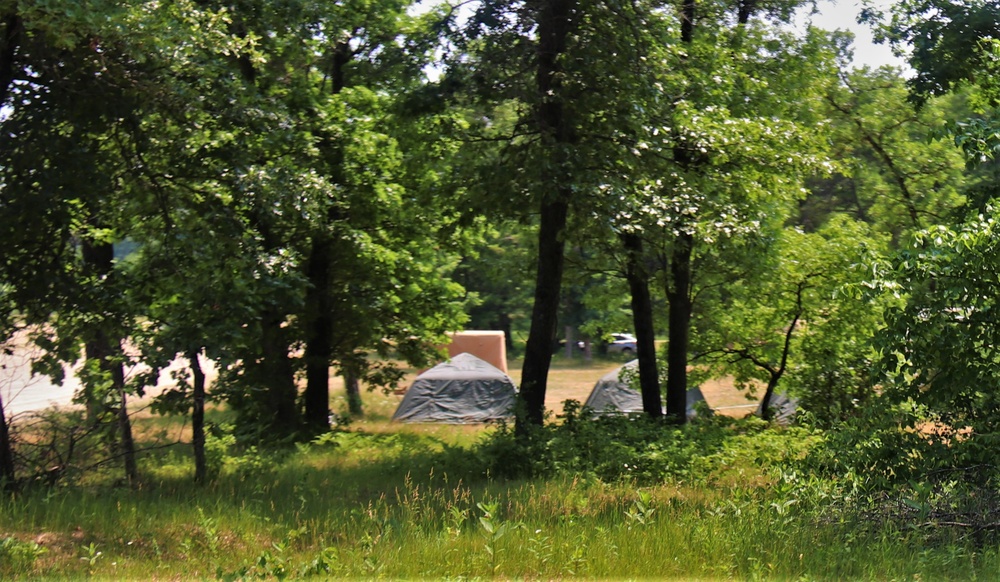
(613, 394)
(783, 408)
(462, 390)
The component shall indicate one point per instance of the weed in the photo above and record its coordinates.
(577, 557)
(540, 548)
(325, 564)
(641, 513)
(492, 529)
(219, 440)
(17, 557)
(456, 520)
(209, 531)
(368, 544)
(91, 555)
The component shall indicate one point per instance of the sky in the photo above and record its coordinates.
(843, 14)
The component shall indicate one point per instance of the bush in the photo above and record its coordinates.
(18, 558)
(612, 448)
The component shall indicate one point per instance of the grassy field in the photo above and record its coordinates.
(386, 501)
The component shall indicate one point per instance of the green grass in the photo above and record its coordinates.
(384, 501)
(384, 505)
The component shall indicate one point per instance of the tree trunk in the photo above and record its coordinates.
(548, 282)
(642, 320)
(278, 375)
(319, 343)
(353, 388)
(10, 36)
(679, 298)
(554, 20)
(8, 480)
(679, 288)
(198, 418)
(125, 425)
(100, 349)
(765, 401)
(505, 324)
(777, 373)
(98, 260)
(687, 21)
(319, 299)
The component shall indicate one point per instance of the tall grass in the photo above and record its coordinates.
(418, 504)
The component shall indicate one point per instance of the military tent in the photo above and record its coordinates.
(614, 394)
(464, 389)
(783, 408)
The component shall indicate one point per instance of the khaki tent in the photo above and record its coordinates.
(614, 394)
(462, 390)
(490, 346)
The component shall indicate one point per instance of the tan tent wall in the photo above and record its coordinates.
(485, 345)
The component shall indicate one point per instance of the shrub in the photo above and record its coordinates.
(615, 447)
(18, 558)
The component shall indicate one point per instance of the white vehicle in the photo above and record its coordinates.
(622, 343)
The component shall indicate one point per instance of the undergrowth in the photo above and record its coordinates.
(582, 497)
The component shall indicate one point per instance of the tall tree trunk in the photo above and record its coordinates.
(10, 35)
(278, 376)
(319, 299)
(8, 477)
(125, 425)
(679, 298)
(555, 20)
(679, 288)
(198, 417)
(353, 388)
(548, 282)
(642, 320)
(98, 259)
(319, 342)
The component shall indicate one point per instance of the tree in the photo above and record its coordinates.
(8, 475)
(954, 46)
(555, 20)
(60, 151)
(540, 145)
(363, 273)
(945, 37)
(938, 347)
(723, 150)
(796, 314)
(894, 171)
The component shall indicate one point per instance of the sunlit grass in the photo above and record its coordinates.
(384, 500)
(398, 506)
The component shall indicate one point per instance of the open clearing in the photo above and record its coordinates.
(568, 380)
